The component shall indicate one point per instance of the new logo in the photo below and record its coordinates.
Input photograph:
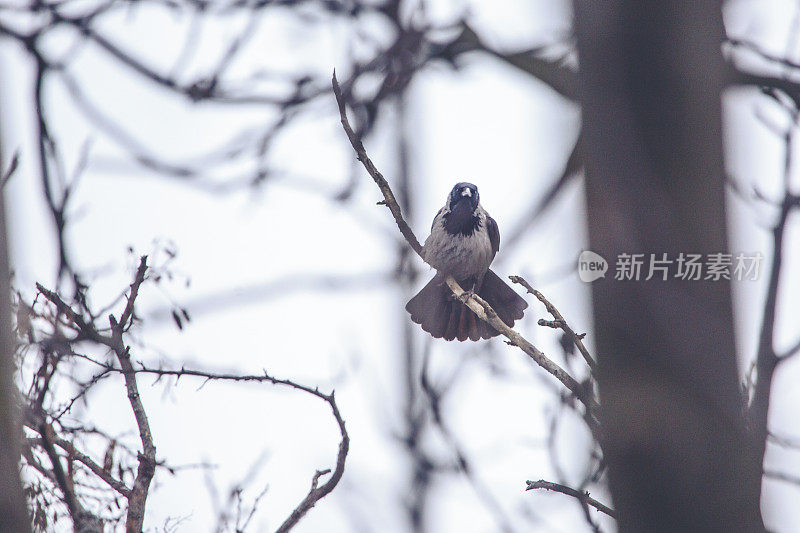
(591, 266)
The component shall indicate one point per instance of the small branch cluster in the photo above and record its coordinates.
(39, 420)
(54, 452)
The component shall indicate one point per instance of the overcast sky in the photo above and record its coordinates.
(244, 258)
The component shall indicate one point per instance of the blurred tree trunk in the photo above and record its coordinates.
(13, 510)
(417, 499)
(678, 454)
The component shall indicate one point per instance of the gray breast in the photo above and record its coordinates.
(461, 256)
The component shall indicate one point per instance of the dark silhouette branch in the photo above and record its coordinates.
(580, 495)
(317, 491)
(463, 464)
(82, 520)
(554, 73)
(137, 497)
(572, 169)
(389, 199)
(147, 459)
(87, 461)
(13, 510)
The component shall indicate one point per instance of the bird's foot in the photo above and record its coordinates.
(466, 295)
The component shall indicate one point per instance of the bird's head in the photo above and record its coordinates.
(463, 196)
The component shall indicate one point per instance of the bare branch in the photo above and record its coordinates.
(559, 321)
(581, 495)
(87, 461)
(82, 520)
(389, 200)
(127, 314)
(147, 459)
(317, 492)
(782, 476)
(561, 78)
(485, 312)
(479, 306)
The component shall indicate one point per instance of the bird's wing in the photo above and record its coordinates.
(438, 216)
(494, 233)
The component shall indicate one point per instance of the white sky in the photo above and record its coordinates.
(487, 124)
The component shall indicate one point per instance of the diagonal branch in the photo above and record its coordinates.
(81, 457)
(389, 199)
(572, 168)
(581, 495)
(76, 511)
(473, 301)
(559, 322)
(554, 73)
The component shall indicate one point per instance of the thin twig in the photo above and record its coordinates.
(87, 461)
(389, 200)
(137, 496)
(581, 495)
(463, 464)
(559, 322)
(317, 492)
(64, 483)
(485, 312)
(147, 459)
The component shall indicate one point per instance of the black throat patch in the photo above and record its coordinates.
(461, 220)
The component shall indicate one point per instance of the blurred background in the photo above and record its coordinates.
(205, 135)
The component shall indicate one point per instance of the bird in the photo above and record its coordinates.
(463, 242)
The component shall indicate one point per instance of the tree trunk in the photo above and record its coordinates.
(13, 510)
(679, 457)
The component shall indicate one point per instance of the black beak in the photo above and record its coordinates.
(469, 197)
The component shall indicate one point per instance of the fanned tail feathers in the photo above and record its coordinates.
(443, 316)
